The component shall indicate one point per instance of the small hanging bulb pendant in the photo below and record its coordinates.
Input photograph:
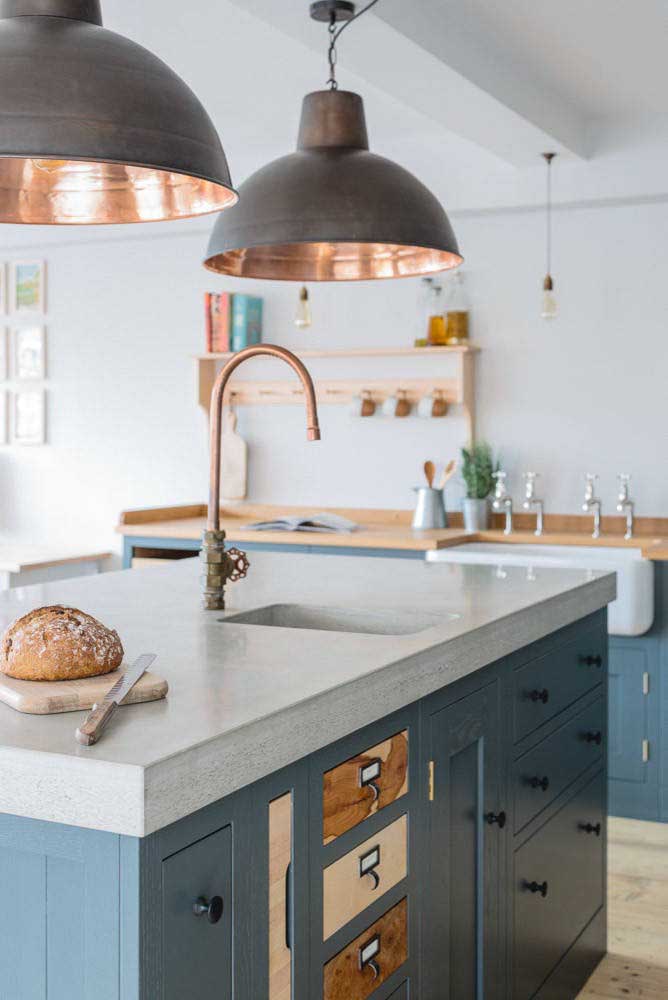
(303, 317)
(549, 308)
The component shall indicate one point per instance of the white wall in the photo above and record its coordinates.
(584, 393)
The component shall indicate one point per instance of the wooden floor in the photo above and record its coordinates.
(637, 965)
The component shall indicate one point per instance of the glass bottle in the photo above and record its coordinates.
(457, 313)
(435, 318)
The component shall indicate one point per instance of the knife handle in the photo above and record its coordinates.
(90, 732)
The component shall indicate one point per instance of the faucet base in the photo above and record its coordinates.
(215, 561)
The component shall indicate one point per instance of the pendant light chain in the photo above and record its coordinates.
(548, 209)
(334, 35)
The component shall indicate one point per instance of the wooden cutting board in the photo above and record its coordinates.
(234, 460)
(51, 697)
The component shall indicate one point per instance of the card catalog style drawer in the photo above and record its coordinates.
(370, 959)
(559, 886)
(358, 878)
(548, 685)
(361, 786)
(543, 773)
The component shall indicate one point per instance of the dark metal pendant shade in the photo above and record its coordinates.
(333, 211)
(96, 129)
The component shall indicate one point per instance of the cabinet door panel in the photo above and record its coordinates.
(197, 952)
(627, 708)
(462, 921)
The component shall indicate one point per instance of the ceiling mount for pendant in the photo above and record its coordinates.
(94, 128)
(333, 210)
(331, 11)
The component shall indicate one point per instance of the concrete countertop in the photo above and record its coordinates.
(247, 700)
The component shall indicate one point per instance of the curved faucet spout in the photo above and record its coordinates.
(312, 426)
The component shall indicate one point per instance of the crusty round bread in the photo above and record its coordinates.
(59, 644)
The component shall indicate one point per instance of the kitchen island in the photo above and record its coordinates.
(393, 779)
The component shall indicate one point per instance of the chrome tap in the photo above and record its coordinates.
(223, 564)
(625, 504)
(531, 501)
(592, 504)
(502, 501)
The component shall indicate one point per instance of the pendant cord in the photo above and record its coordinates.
(334, 35)
(548, 209)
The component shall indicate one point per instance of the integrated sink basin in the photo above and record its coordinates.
(322, 619)
(633, 611)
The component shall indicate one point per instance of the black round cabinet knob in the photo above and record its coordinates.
(542, 696)
(498, 818)
(592, 661)
(537, 887)
(212, 909)
(596, 738)
(543, 783)
(591, 828)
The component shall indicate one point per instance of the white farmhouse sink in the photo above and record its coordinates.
(633, 611)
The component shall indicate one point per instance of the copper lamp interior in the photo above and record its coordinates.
(80, 192)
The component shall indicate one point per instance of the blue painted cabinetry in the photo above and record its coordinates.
(417, 858)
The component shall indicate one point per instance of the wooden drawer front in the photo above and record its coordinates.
(195, 948)
(361, 786)
(280, 857)
(546, 686)
(348, 977)
(543, 773)
(356, 880)
(570, 861)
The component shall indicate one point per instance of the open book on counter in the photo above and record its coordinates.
(307, 522)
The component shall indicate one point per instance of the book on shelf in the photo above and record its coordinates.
(246, 321)
(218, 316)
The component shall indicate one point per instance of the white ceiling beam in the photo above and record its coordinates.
(417, 54)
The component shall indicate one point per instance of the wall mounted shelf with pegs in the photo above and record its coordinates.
(456, 388)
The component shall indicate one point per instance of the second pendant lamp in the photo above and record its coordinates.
(333, 211)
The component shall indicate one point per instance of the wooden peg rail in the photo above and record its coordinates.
(456, 389)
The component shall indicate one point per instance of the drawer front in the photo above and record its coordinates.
(546, 686)
(357, 879)
(543, 773)
(280, 918)
(363, 785)
(357, 971)
(198, 948)
(564, 864)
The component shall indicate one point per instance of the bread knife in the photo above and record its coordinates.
(100, 715)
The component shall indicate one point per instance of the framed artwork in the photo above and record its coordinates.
(28, 286)
(28, 353)
(4, 367)
(4, 430)
(29, 422)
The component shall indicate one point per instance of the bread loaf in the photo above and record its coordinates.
(58, 644)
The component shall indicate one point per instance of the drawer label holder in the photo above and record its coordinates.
(369, 862)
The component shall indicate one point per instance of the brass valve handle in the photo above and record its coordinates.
(240, 564)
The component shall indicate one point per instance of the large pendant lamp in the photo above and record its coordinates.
(333, 211)
(94, 128)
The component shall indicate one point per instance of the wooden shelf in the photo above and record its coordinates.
(456, 388)
(368, 352)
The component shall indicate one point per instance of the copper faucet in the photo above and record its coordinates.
(223, 564)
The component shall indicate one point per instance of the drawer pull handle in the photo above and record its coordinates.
(211, 909)
(368, 955)
(498, 818)
(543, 696)
(369, 774)
(592, 661)
(543, 783)
(596, 738)
(369, 862)
(537, 887)
(591, 828)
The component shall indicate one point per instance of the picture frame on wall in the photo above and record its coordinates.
(4, 416)
(4, 360)
(28, 353)
(29, 417)
(28, 286)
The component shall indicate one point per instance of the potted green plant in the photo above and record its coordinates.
(478, 473)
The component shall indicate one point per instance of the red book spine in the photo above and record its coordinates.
(220, 310)
(208, 322)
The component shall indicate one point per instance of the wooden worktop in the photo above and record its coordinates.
(391, 529)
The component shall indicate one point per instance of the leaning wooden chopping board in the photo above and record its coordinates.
(52, 697)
